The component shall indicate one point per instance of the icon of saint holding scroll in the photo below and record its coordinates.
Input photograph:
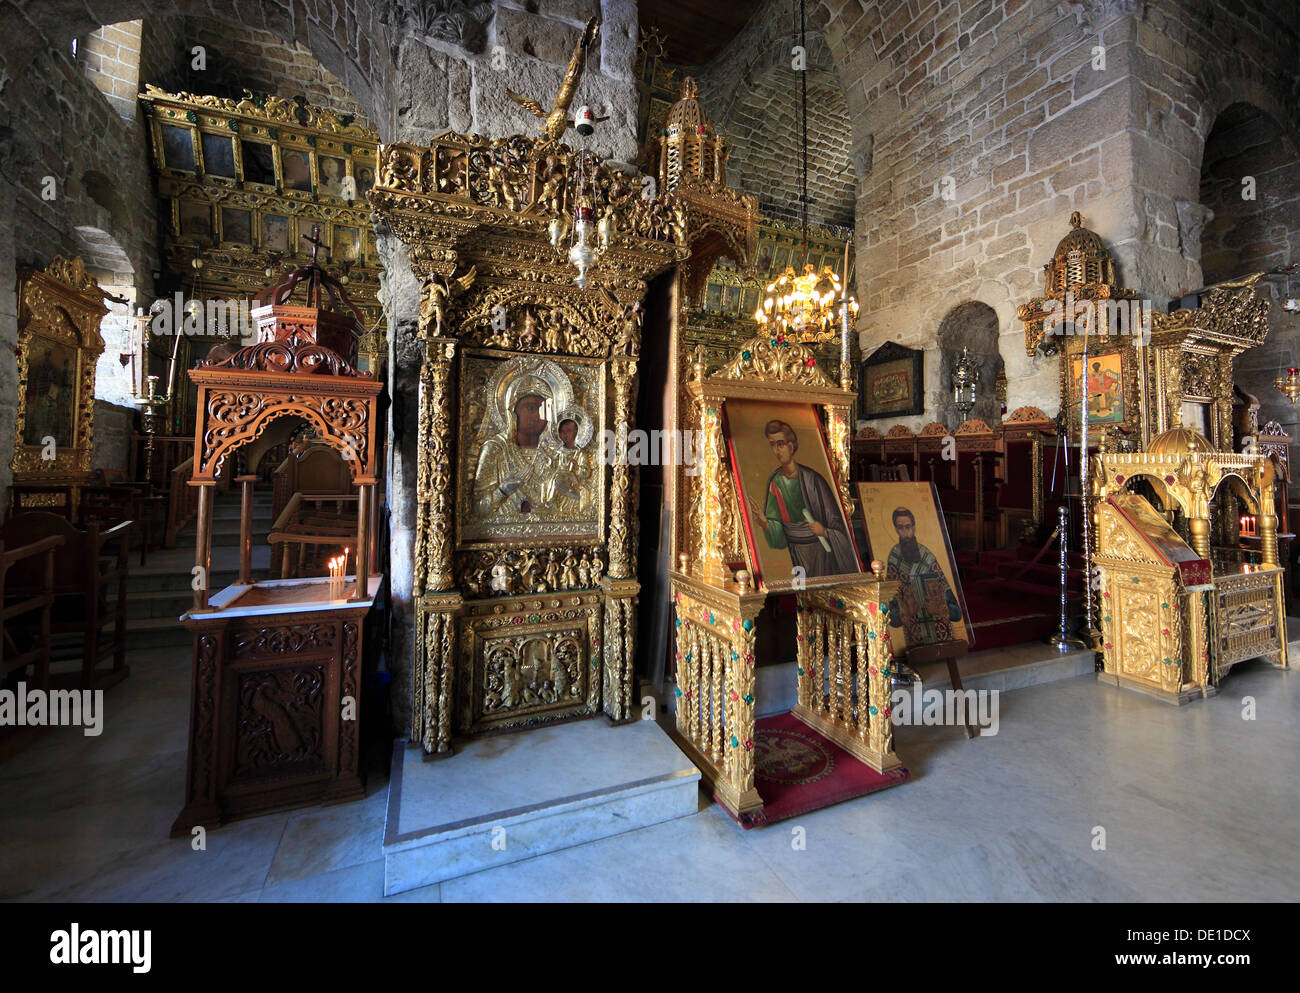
(801, 513)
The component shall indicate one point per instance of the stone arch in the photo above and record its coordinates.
(344, 37)
(973, 325)
(742, 88)
(108, 262)
(1253, 226)
(1250, 144)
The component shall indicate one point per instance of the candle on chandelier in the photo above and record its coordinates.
(844, 331)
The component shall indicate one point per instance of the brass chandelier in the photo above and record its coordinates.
(807, 308)
(804, 307)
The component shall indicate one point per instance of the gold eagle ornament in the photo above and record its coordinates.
(557, 121)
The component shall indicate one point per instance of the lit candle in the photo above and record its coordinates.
(844, 331)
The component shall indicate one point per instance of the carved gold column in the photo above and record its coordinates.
(711, 567)
(622, 558)
(1200, 531)
(432, 698)
(871, 610)
(1198, 644)
(839, 435)
(620, 587)
(1267, 520)
(434, 479)
(433, 671)
(619, 647)
(736, 789)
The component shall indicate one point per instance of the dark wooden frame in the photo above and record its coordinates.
(892, 352)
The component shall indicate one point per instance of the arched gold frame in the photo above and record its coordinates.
(65, 305)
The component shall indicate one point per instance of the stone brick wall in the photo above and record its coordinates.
(765, 148)
(114, 425)
(110, 58)
(1254, 227)
(1001, 105)
(752, 92)
(97, 204)
(243, 58)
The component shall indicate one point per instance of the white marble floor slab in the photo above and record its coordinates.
(1193, 803)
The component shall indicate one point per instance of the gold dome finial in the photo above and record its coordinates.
(1179, 441)
(1081, 263)
(689, 144)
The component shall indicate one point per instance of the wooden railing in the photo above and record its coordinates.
(182, 501)
(38, 599)
(309, 523)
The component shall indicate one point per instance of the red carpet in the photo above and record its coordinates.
(798, 771)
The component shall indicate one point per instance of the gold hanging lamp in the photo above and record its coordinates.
(809, 307)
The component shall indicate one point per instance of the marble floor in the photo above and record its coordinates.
(1196, 803)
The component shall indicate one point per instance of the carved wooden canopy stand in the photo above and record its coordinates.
(843, 654)
(275, 710)
(59, 312)
(524, 556)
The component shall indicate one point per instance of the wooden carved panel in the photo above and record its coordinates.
(284, 640)
(280, 720)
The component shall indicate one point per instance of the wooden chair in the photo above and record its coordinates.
(115, 502)
(85, 569)
(890, 474)
(149, 509)
(15, 610)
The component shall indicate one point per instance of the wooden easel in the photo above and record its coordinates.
(948, 651)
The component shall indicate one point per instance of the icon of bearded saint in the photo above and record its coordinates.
(925, 607)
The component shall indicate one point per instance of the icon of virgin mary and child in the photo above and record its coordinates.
(534, 464)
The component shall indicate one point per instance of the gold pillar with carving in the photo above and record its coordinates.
(843, 652)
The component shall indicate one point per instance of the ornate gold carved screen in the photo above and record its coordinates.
(59, 312)
(246, 182)
(524, 556)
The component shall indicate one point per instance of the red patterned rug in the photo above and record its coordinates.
(797, 770)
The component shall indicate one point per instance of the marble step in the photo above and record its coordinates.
(514, 796)
(157, 632)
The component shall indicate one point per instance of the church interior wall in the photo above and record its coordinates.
(998, 106)
(1250, 191)
(1000, 98)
